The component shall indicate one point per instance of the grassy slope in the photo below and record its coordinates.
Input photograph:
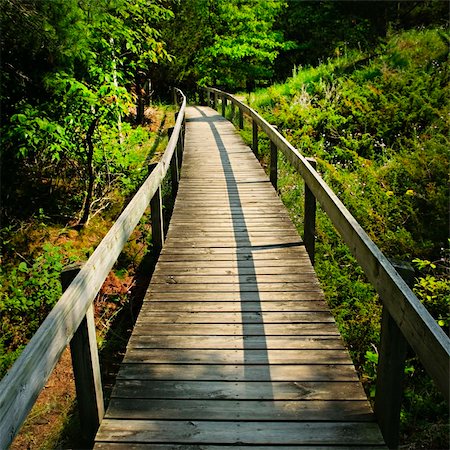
(377, 126)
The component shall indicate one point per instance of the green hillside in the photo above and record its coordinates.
(377, 124)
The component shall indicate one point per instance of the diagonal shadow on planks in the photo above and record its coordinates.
(234, 345)
(245, 271)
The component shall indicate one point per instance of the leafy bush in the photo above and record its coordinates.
(27, 293)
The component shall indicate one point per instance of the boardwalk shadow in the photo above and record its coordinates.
(245, 265)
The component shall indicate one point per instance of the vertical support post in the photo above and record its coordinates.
(86, 368)
(208, 99)
(224, 106)
(309, 227)
(174, 176)
(175, 98)
(232, 112)
(391, 369)
(181, 143)
(179, 151)
(255, 137)
(241, 119)
(156, 214)
(215, 100)
(273, 175)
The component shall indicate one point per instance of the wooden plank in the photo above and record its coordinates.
(241, 390)
(132, 446)
(236, 287)
(251, 296)
(205, 329)
(239, 279)
(233, 265)
(244, 269)
(205, 306)
(246, 356)
(231, 243)
(240, 410)
(216, 317)
(235, 342)
(230, 372)
(233, 233)
(242, 252)
(290, 433)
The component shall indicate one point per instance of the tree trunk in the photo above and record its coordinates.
(140, 102)
(91, 176)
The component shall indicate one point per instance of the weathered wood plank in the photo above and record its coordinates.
(236, 317)
(242, 252)
(205, 329)
(230, 372)
(256, 306)
(290, 433)
(246, 356)
(235, 342)
(248, 269)
(251, 296)
(236, 287)
(241, 390)
(132, 446)
(241, 410)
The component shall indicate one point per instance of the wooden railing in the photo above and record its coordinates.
(404, 318)
(72, 318)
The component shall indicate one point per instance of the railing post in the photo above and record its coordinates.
(215, 100)
(201, 95)
(241, 119)
(175, 98)
(208, 99)
(273, 175)
(255, 137)
(86, 368)
(391, 366)
(224, 106)
(232, 111)
(180, 147)
(309, 227)
(156, 215)
(174, 176)
(390, 371)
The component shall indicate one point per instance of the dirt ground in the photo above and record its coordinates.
(50, 412)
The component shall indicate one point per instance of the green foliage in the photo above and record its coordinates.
(64, 136)
(230, 43)
(334, 28)
(379, 134)
(432, 288)
(378, 129)
(27, 293)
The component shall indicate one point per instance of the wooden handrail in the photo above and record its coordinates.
(415, 323)
(24, 381)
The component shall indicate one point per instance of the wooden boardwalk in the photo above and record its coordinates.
(234, 345)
